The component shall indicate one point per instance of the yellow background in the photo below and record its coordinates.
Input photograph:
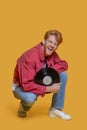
(22, 25)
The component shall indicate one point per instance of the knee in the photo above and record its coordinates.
(29, 101)
(63, 76)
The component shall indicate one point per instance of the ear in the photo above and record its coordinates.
(43, 42)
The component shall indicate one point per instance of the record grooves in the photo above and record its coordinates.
(47, 76)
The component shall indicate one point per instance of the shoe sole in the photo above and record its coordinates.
(52, 115)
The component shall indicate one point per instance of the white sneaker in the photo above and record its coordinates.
(58, 113)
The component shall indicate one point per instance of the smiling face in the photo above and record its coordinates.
(50, 45)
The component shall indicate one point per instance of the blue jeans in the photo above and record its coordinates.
(58, 98)
(28, 98)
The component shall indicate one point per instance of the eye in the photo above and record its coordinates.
(50, 41)
(55, 44)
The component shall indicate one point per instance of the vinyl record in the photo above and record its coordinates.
(47, 76)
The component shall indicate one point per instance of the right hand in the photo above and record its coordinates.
(54, 88)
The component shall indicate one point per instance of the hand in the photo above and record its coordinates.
(54, 88)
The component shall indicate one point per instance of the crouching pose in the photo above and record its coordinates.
(28, 64)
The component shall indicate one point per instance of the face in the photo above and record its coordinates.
(50, 45)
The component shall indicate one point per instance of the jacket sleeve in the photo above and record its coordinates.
(26, 74)
(59, 64)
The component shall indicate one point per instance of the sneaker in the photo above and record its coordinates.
(21, 111)
(58, 113)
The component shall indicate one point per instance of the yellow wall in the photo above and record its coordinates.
(22, 25)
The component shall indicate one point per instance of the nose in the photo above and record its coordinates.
(52, 45)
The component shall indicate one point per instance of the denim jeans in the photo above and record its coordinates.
(28, 98)
(58, 98)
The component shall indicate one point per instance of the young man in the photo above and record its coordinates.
(24, 87)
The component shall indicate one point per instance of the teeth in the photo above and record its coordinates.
(50, 49)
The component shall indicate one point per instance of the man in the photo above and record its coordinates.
(24, 87)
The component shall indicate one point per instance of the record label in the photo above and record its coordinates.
(47, 80)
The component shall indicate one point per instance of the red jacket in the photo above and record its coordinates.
(30, 63)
